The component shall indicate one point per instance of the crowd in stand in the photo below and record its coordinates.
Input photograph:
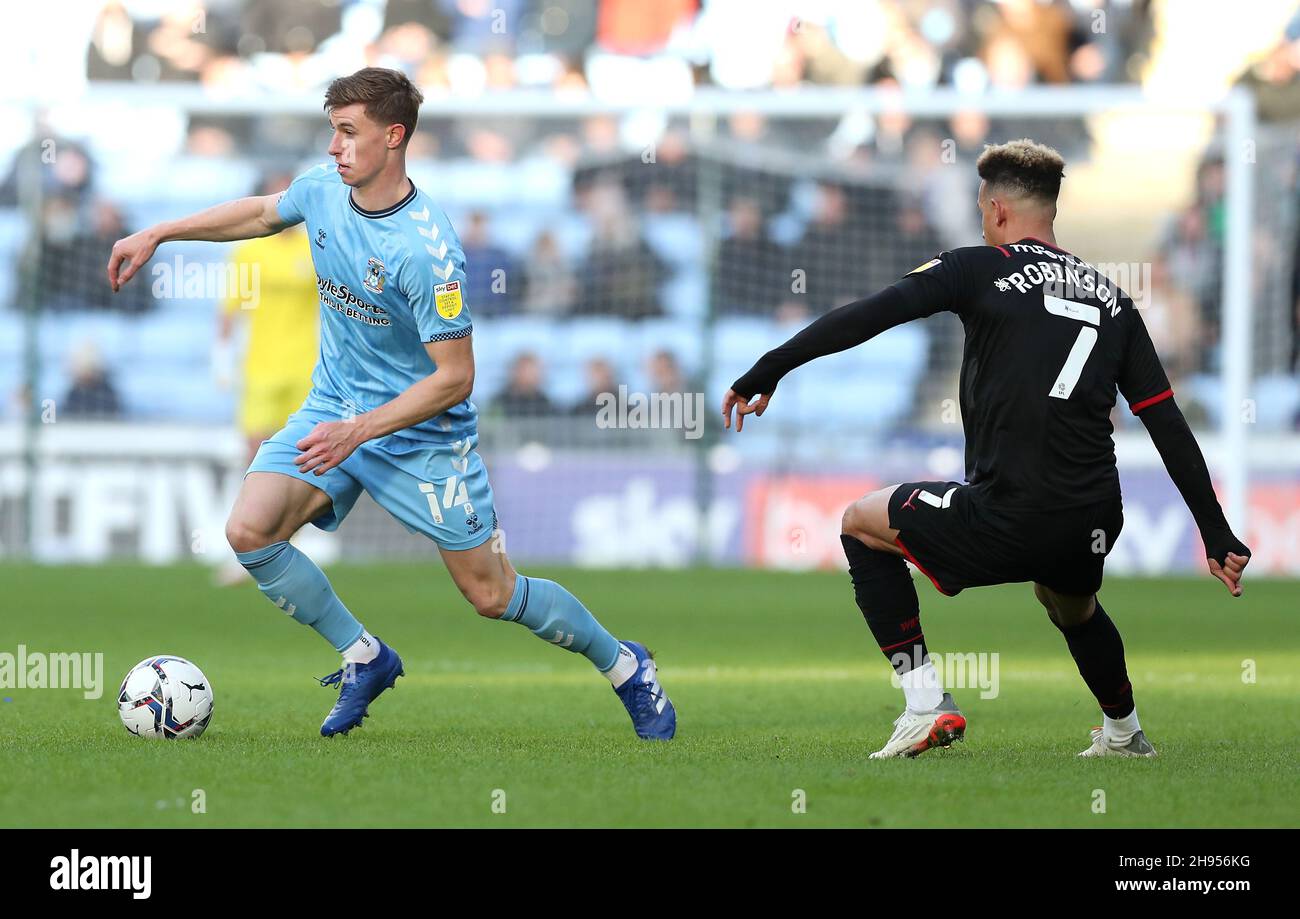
(785, 244)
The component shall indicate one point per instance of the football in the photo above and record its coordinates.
(165, 698)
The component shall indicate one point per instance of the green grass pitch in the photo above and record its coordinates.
(776, 680)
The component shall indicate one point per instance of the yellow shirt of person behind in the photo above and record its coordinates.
(283, 327)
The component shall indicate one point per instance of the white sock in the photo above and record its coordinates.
(363, 650)
(1120, 730)
(922, 688)
(623, 668)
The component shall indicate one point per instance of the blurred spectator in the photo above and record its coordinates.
(187, 39)
(637, 28)
(482, 26)
(549, 284)
(1040, 33)
(833, 256)
(475, 45)
(523, 396)
(91, 395)
(1275, 80)
(291, 26)
(600, 381)
(490, 270)
(115, 41)
(1172, 316)
(621, 274)
(914, 240)
(73, 257)
(64, 167)
(665, 373)
(1192, 250)
(434, 17)
(750, 268)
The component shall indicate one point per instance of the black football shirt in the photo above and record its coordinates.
(1048, 342)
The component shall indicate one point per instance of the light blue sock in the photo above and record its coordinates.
(552, 613)
(292, 582)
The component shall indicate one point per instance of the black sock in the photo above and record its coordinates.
(887, 597)
(1099, 652)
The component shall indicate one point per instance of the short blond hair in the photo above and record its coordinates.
(1023, 167)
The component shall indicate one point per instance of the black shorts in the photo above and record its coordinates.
(958, 537)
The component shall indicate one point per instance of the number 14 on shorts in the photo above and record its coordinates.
(453, 493)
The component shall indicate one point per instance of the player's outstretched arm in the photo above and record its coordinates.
(331, 442)
(1226, 554)
(243, 218)
(842, 328)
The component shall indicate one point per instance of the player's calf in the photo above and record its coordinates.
(887, 597)
(883, 589)
(1098, 651)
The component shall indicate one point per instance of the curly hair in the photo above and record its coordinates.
(1023, 167)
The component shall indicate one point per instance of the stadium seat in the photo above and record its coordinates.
(1277, 402)
(684, 295)
(683, 340)
(170, 393)
(675, 238)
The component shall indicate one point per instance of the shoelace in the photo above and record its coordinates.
(333, 679)
(642, 688)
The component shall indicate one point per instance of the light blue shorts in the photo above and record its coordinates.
(440, 490)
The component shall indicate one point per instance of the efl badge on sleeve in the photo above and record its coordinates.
(375, 273)
(928, 265)
(447, 298)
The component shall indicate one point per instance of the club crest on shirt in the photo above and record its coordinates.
(447, 299)
(375, 274)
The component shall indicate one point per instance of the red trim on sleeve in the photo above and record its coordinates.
(1145, 403)
(919, 567)
(1003, 251)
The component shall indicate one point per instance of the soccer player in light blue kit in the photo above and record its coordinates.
(389, 410)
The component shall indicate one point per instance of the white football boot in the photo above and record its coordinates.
(1135, 745)
(915, 733)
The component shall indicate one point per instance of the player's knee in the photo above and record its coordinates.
(243, 536)
(1064, 611)
(856, 522)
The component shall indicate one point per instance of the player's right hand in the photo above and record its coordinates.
(1233, 567)
(743, 407)
(129, 256)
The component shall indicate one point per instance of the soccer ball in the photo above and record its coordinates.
(165, 697)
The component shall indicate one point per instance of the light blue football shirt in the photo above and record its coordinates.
(388, 282)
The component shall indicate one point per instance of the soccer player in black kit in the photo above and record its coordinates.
(1048, 341)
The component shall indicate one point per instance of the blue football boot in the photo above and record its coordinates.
(359, 685)
(652, 713)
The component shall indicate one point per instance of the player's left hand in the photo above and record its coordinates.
(328, 445)
(1230, 572)
(743, 407)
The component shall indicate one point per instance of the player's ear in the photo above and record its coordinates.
(396, 133)
(1000, 212)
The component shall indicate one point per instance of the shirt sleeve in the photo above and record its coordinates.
(435, 289)
(934, 286)
(1142, 379)
(293, 203)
